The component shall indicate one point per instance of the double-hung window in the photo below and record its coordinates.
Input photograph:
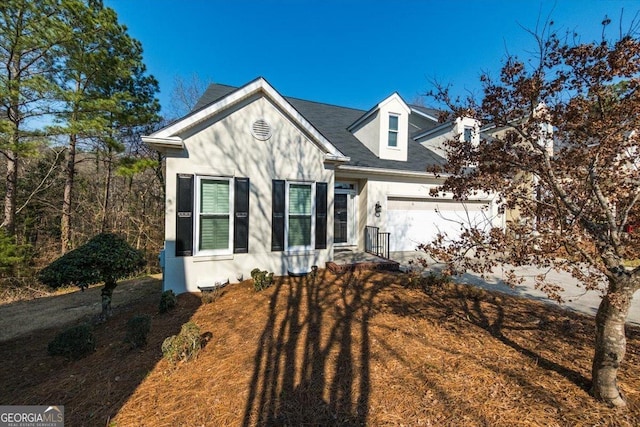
(214, 225)
(300, 219)
(299, 216)
(468, 134)
(212, 215)
(393, 131)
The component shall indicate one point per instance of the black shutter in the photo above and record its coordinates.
(241, 220)
(184, 215)
(321, 215)
(278, 209)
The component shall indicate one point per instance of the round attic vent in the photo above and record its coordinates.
(261, 130)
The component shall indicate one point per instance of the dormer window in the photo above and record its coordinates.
(468, 134)
(384, 129)
(393, 131)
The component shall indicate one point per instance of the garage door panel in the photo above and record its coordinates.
(414, 221)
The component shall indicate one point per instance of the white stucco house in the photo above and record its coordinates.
(258, 180)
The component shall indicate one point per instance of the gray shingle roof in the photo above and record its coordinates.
(213, 93)
(426, 110)
(332, 122)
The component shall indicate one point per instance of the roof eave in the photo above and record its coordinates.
(391, 172)
(433, 130)
(162, 144)
(332, 158)
(362, 118)
(423, 114)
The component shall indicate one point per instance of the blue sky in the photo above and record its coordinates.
(347, 52)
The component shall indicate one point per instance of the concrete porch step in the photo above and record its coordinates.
(352, 261)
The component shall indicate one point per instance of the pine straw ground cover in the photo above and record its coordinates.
(357, 349)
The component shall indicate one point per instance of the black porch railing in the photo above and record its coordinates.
(375, 242)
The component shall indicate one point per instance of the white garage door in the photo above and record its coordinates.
(412, 221)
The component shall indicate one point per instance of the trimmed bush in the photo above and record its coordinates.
(184, 346)
(73, 343)
(105, 258)
(168, 301)
(138, 328)
(261, 279)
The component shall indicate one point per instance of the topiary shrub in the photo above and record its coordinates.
(138, 328)
(168, 301)
(261, 279)
(184, 346)
(105, 258)
(73, 343)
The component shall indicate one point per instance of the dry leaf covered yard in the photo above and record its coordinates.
(361, 348)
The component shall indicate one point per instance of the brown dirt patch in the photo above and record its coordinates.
(355, 349)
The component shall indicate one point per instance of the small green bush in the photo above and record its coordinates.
(168, 301)
(138, 328)
(261, 279)
(436, 279)
(416, 279)
(184, 346)
(73, 343)
(211, 296)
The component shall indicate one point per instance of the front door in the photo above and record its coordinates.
(344, 228)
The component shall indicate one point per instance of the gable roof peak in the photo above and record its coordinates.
(170, 133)
(394, 96)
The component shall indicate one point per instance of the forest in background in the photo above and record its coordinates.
(75, 96)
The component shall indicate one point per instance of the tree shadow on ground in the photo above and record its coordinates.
(487, 311)
(312, 361)
(92, 389)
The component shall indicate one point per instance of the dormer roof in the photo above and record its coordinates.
(372, 111)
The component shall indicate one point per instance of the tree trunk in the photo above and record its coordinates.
(610, 345)
(9, 222)
(14, 116)
(65, 222)
(106, 194)
(107, 293)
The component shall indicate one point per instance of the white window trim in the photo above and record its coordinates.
(312, 243)
(396, 131)
(213, 252)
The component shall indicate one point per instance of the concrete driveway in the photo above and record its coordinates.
(575, 297)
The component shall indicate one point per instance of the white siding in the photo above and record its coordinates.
(224, 146)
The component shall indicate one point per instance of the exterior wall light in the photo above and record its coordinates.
(378, 209)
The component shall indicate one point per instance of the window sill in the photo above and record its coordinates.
(301, 251)
(205, 257)
(344, 245)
